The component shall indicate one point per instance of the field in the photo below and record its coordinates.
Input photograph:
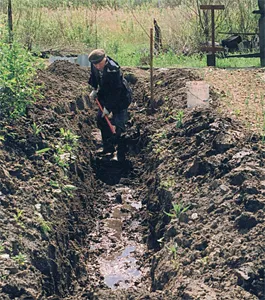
(181, 218)
(125, 32)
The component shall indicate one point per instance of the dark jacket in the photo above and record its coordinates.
(112, 92)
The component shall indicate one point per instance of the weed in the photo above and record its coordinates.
(168, 182)
(68, 189)
(36, 129)
(21, 259)
(44, 225)
(18, 215)
(179, 118)
(237, 112)
(41, 151)
(54, 184)
(205, 260)
(2, 248)
(68, 136)
(173, 250)
(62, 160)
(18, 67)
(178, 209)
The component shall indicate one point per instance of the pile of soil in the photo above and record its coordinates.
(200, 179)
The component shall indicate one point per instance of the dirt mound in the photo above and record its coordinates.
(198, 176)
(47, 192)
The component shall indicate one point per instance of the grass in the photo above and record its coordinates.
(123, 33)
(238, 62)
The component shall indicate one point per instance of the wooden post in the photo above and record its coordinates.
(211, 61)
(262, 31)
(151, 69)
(10, 21)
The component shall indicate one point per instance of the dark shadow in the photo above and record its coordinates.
(109, 170)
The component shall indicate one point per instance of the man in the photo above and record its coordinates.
(113, 93)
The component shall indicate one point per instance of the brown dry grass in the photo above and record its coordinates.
(123, 25)
(242, 94)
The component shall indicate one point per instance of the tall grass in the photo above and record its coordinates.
(122, 27)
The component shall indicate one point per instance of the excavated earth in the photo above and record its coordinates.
(76, 225)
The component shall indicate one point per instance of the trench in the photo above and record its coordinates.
(116, 246)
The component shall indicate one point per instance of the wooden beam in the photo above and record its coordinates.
(212, 49)
(212, 7)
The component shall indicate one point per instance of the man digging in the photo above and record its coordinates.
(114, 95)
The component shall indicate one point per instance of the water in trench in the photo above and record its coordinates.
(121, 241)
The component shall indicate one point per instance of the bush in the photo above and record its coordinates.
(17, 69)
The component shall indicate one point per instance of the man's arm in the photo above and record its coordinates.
(93, 79)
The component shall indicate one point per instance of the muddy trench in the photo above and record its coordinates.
(181, 218)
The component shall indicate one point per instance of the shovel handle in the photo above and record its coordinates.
(112, 129)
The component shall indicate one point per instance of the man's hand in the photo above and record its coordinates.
(93, 95)
(105, 112)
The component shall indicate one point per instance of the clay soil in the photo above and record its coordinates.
(69, 217)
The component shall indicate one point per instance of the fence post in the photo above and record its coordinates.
(262, 31)
(152, 71)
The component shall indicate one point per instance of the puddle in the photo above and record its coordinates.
(81, 59)
(120, 241)
(119, 272)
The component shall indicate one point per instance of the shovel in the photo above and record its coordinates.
(112, 129)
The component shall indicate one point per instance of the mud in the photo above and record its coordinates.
(76, 225)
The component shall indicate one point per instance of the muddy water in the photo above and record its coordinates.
(120, 241)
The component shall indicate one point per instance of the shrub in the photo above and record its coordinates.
(17, 69)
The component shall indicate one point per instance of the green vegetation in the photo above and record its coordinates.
(36, 129)
(65, 148)
(18, 217)
(173, 250)
(21, 259)
(122, 28)
(178, 209)
(179, 118)
(17, 69)
(2, 248)
(41, 151)
(44, 225)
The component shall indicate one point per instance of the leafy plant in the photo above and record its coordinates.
(178, 209)
(68, 188)
(2, 248)
(18, 215)
(179, 118)
(173, 249)
(17, 69)
(68, 136)
(36, 129)
(54, 184)
(44, 225)
(44, 150)
(21, 259)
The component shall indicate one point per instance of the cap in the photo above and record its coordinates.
(96, 56)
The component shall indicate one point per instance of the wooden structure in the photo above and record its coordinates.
(261, 4)
(158, 38)
(211, 59)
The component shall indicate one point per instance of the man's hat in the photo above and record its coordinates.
(96, 56)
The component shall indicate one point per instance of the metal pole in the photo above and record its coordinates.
(151, 69)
